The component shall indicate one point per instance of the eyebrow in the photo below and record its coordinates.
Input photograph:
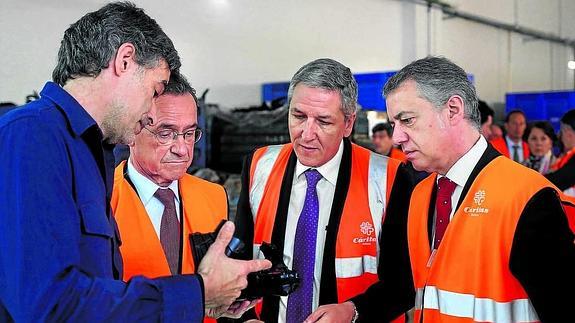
(320, 117)
(165, 125)
(402, 114)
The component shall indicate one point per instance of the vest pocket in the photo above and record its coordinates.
(94, 221)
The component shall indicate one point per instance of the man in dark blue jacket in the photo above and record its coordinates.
(59, 258)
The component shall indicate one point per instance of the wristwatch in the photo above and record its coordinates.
(355, 313)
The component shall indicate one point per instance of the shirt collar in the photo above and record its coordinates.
(77, 116)
(460, 171)
(510, 143)
(328, 170)
(145, 187)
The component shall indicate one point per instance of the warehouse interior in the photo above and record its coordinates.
(327, 161)
(231, 50)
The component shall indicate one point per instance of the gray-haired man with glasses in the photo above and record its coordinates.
(158, 205)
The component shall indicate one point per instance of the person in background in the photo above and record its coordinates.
(563, 174)
(512, 144)
(321, 200)
(486, 114)
(496, 132)
(60, 259)
(540, 137)
(381, 138)
(485, 237)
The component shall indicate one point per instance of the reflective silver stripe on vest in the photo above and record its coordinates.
(261, 175)
(256, 252)
(377, 184)
(356, 266)
(376, 190)
(478, 309)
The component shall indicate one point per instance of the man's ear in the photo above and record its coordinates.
(125, 58)
(456, 109)
(348, 124)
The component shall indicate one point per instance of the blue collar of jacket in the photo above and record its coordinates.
(77, 116)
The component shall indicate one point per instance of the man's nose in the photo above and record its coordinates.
(309, 129)
(398, 136)
(179, 146)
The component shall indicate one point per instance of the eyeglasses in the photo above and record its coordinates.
(168, 136)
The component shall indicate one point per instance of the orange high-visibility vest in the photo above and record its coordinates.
(563, 160)
(467, 279)
(372, 177)
(204, 206)
(501, 145)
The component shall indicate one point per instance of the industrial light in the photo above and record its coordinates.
(571, 65)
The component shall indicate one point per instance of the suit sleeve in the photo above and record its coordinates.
(543, 256)
(394, 293)
(244, 222)
(564, 177)
(43, 245)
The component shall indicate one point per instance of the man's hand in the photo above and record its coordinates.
(234, 311)
(333, 313)
(224, 277)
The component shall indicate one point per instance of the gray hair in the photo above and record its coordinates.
(437, 79)
(179, 85)
(90, 43)
(331, 75)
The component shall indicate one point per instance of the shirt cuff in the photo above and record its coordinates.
(183, 297)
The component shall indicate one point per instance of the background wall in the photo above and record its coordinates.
(233, 46)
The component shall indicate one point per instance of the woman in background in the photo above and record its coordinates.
(540, 137)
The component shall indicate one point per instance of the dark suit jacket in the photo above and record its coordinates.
(245, 225)
(542, 256)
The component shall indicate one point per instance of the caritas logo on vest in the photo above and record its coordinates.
(476, 209)
(368, 237)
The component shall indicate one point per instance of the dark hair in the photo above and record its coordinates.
(90, 43)
(569, 118)
(543, 125)
(508, 116)
(383, 126)
(179, 85)
(484, 111)
(437, 79)
(331, 75)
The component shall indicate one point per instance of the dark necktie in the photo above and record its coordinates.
(169, 229)
(300, 302)
(445, 188)
(516, 153)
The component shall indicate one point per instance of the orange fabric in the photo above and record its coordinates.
(568, 203)
(355, 213)
(501, 145)
(396, 153)
(563, 160)
(264, 224)
(205, 205)
(473, 257)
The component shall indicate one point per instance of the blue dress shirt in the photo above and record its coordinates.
(59, 256)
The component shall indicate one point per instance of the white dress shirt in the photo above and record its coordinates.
(325, 192)
(146, 190)
(460, 171)
(510, 145)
